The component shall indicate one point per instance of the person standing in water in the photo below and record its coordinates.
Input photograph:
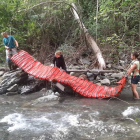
(11, 46)
(134, 71)
(59, 61)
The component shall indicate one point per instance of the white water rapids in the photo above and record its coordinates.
(45, 116)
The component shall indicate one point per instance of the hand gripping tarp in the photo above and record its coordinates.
(83, 87)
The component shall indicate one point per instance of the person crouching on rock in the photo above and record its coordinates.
(11, 46)
(134, 71)
(59, 61)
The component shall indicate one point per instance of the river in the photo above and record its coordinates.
(44, 116)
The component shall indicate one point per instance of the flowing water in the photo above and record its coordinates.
(45, 116)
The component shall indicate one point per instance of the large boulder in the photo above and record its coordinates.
(32, 86)
(9, 79)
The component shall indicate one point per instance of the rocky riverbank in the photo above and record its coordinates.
(18, 82)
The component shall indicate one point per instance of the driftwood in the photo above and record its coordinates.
(89, 39)
(93, 71)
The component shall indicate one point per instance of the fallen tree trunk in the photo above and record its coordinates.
(90, 39)
(93, 71)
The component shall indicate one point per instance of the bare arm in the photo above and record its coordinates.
(16, 43)
(131, 69)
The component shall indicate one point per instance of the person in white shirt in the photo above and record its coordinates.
(134, 72)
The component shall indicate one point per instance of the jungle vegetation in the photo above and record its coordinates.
(42, 26)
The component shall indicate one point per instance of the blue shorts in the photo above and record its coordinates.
(135, 80)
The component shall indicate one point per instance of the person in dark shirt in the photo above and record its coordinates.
(59, 61)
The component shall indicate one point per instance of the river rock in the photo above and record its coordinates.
(122, 63)
(1, 73)
(3, 89)
(51, 97)
(89, 74)
(13, 88)
(30, 78)
(99, 84)
(11, 93)
(85, 61)
(43, 89)
(109, 66)
(121, 68)
(11, 74)
(108, 61)
(34, 86)
(105, 82)
(11, 78)
(118, 67)
(72, 73)
(138, 84)
(91, 78)
(98, 78)
(107, 74)
(118, 75)
(114, 81)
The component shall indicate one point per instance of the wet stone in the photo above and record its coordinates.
(122, 63)
(109, 66)
(105, 82)
(85, 61)
(91, 78)
(11, 93)
(89, 74)
(118, 75)
(13, 88)
(1, 73)
(99, 84)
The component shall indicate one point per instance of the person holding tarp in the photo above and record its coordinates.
(134, 72)
(11, 46)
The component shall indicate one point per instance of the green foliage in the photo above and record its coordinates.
(114, 17)
(34, 23)
(67, 49)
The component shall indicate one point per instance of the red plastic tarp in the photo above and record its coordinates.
(84, 87)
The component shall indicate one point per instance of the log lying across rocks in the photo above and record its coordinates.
(93, 71)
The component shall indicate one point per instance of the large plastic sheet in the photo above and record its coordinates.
(84, 87)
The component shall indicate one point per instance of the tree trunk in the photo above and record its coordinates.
(97, 20)
(90, 39)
